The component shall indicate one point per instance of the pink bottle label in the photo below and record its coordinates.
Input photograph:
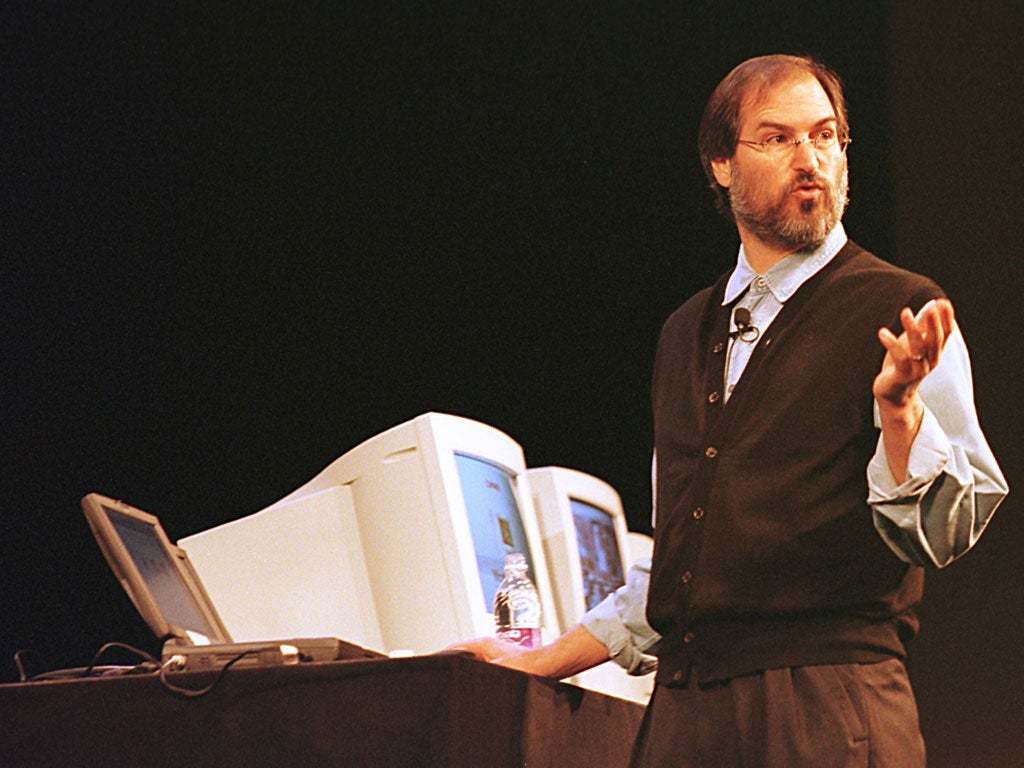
(527, 637)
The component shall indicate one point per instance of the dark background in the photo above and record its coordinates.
(238, 242)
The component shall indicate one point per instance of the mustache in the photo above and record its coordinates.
(804, 178)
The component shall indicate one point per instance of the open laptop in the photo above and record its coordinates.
(170, 597)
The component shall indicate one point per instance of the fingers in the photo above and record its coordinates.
(914, 330)
(935, 337)
(889, 340)
(938, 311)
(484, 648)
(943, 309)
(926, 334)
(916, 351)
(909, 349)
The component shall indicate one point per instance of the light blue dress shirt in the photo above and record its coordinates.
(953, 482)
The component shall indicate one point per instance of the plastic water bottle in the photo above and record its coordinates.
(517, 605)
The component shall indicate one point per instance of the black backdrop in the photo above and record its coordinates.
(237, 242)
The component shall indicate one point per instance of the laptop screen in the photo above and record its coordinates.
(155, 573)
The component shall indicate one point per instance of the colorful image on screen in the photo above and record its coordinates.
(494, 519)
(171, 593)
(599, 552)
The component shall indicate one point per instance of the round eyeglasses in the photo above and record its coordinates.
(781, 145)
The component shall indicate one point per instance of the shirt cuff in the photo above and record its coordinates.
(934, 482)
(929, 456)
(620, 624)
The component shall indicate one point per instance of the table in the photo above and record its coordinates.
(440, 710)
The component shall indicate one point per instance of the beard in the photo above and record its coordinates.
(763, 211)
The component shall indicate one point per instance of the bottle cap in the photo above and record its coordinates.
(515, 559)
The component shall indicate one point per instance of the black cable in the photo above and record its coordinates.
(23, 676)
(95, 659)
(192, 693)
(149, 664)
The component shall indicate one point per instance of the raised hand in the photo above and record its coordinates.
(914, 353)
(909, 357)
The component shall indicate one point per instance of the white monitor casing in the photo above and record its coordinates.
(554, 489)
(641, 546)
(416, 533)
(291, 570)
(402, 509)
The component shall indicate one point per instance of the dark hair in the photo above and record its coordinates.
(719, 127)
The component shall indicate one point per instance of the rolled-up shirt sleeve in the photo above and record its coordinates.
(953, 483)
(620, 622)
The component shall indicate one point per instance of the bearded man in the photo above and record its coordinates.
(812, 457)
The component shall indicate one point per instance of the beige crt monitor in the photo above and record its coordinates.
(585, 537)
(587, 545)
(641, 546)
(293, 569)
(440, 500)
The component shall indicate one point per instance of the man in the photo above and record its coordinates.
(811, 454)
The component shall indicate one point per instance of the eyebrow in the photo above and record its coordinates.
(783, 127)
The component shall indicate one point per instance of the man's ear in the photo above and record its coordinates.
(722, 168)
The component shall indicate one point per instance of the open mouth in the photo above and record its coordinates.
(808, 188)
(808, 191)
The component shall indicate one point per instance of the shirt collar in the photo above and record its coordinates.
(786, 276)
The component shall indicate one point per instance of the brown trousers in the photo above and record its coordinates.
(834, 716)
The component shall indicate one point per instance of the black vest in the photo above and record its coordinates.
(765, 551)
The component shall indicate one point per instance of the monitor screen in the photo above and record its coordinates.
(495, 523)
(172, 595)
(599, 552)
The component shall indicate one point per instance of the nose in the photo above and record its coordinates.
(805, 156)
